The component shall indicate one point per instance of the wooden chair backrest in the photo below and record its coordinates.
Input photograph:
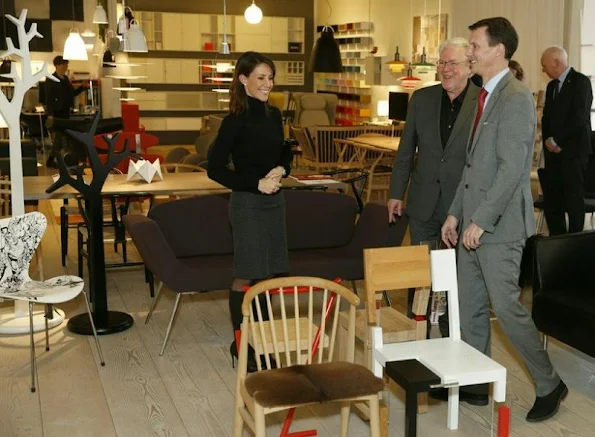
(323, 136)
(303, 138)
(394, 268)
(305, 308)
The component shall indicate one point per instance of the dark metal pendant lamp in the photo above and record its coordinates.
(326, 56)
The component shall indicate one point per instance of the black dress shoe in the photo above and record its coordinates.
(441, 394)
(547, 406)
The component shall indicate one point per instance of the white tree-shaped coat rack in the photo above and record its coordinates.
(11, 109)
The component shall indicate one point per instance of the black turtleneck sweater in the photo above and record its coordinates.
(255, 141)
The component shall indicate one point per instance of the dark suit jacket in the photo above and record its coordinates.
(568, 118)
(437, 171)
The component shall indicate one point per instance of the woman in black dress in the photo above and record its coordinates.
(252, 135)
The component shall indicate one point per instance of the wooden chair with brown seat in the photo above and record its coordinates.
(387, 269)
(300, 338)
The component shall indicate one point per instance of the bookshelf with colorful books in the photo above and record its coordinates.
(355, 43)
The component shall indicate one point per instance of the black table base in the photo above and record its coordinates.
(114, 321)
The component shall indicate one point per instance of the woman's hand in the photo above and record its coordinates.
(276, 173)
(269, 185)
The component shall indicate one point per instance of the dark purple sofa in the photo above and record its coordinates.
(188, 243)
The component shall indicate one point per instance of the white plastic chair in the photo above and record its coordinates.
(19, 238)
(457, 363)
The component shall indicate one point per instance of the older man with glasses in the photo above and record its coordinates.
(437, 129)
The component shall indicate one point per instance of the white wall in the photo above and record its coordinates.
(393, 19)
(540, 24)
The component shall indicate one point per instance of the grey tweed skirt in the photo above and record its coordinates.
(259, 235)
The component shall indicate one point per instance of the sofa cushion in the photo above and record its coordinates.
(212, 272)
(328, 263)
(196, 225)
(318, 219)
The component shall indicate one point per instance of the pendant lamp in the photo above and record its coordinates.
(410, 82)
(99, 16)
(253, 14)
(326, 56)
(74, 47)
(134, 39)
(224, 49)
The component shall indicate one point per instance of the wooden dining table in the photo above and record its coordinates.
(369, 151)
(173, 183)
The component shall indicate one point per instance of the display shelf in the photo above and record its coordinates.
(355, 43)
(126, 77)
(204, 32)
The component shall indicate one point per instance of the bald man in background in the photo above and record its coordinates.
(566, 129)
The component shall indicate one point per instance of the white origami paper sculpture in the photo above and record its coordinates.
(144, 170)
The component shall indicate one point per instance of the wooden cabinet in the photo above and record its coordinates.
(190, 32)
(173, 71)
(279, 34)
(172, 31)
(204, 32)
(190, 71)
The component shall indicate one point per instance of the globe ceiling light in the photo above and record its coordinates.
(253, 14)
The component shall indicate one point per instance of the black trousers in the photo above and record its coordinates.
(562, 182)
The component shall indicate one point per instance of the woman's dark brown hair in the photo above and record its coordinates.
(245, 65)
(516, 69)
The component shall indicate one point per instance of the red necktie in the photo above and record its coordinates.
(480, 104)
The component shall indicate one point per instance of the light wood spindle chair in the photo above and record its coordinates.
(307, 370)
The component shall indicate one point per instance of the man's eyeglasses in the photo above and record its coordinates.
(451, 64)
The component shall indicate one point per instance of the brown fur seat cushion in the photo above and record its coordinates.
(312, 383)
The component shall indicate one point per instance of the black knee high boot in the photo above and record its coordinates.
(235, 310)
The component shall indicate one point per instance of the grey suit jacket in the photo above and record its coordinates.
(437, 171)
(495, 191)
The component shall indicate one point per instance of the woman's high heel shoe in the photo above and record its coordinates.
(251, 366)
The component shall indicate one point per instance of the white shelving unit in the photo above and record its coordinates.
(202, 32)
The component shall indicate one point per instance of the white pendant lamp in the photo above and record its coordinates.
(74, 47)
(99, 16)
(134, 39)
(253, 14)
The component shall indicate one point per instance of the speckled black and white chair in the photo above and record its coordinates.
(19, 238)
